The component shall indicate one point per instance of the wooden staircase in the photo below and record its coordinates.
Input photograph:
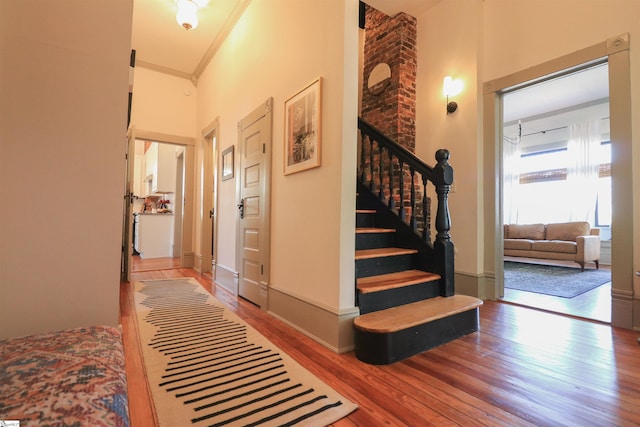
(404, 279)
(402, 312)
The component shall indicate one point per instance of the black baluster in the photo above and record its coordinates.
(371, 164)
(392, 201)
(443, 246)
(426, 232)
(363, 174)
(413, 223)
(380, 174)
(401, 208)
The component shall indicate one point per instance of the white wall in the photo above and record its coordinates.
(163, 103)
(457, 55)
(276, 49)
(490, 39)
(63, 106)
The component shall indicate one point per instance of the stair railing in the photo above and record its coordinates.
(386, 167)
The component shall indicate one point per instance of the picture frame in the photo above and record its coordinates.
(303, 129)
(227, 161)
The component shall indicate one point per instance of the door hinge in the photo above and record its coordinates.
(264, 148)
(261, 268)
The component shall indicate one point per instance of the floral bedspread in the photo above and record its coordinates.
(74, 377)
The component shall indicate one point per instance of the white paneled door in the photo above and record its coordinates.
(253, 204)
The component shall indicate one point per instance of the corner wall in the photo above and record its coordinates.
(275, 50)
(63, 103)
(504, 37)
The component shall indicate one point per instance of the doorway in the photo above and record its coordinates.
(208, 240)
(556, 163)
(179, 253)
(615, 52)
(158, 205)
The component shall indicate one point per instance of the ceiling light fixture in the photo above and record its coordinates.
(187, 15)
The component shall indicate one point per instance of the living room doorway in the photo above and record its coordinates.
(615, 52)
(556, 164)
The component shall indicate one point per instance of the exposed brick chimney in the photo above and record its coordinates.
(391, 107)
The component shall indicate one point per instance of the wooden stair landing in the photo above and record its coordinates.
(407, 316)
(390, 335)
(398, 292)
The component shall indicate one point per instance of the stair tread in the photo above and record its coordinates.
(363, 230)
(382, 252)
(406, 316)
(363, 211)
(383, 282)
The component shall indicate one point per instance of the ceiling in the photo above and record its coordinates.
(412, 7)
(579, 88)
(161, 44)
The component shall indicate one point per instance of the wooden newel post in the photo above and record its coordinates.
(443, 246)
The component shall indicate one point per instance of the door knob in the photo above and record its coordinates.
(241, 208)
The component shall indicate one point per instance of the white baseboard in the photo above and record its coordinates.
(187, 260)
(226, 278)
(328, 327)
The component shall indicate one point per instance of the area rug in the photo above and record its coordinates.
(207, 367)
(565, 282)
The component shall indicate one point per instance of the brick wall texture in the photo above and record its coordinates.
(392, 40)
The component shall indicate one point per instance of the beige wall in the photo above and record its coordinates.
(163, 103)
(64, 92)
(276, 49)
(456, 55)
(502, 38)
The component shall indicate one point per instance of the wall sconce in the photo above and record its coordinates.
(451, 88)
(187, 15)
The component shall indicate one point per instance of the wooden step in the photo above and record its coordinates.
(365, 218)
(367, 230)
(388, 281)
(388, 336)
(406, 316)
(383, 252)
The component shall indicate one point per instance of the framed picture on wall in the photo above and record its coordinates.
(303, 125)
(227, 163)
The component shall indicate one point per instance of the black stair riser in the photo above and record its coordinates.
(383, 265)
(375, 301)
(365, 219)
(383, 349)
(373, 240)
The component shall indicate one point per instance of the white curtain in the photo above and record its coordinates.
(511, 181)
(583, 149)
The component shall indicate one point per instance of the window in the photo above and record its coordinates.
(544, 194)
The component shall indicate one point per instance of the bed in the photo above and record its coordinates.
(74, 377)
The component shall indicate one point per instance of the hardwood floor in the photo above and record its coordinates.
(139, 264)
(592, 305)
(524, 367)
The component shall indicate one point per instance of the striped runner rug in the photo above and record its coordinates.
(207, 367)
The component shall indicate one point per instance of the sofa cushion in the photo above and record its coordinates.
(518, 244)
(567, 230)
(555, 246)
(525, 231)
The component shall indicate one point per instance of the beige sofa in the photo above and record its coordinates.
(574, 241)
